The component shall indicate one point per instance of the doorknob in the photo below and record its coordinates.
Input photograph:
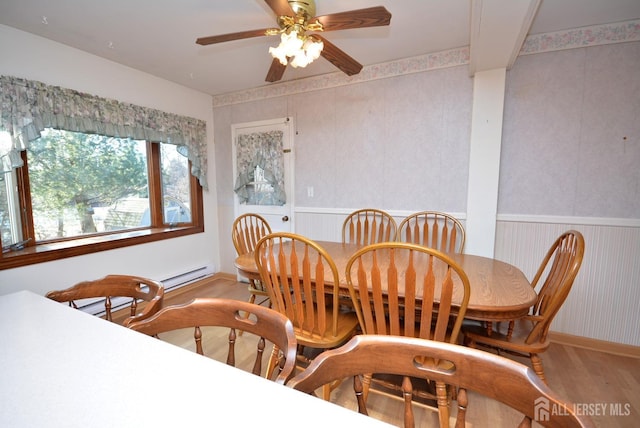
(285, 218)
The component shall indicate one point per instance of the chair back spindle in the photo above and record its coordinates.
(246, 231)
(133, 287)
(562, 263)
(492, 376)
(433, 229)
(554, 279)
(264, 323)
(368, 226)
(303, 284)
(404, 289)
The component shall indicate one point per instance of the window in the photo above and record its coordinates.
(79, 193)
(115, 177)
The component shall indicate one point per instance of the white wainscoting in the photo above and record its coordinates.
(604, 303)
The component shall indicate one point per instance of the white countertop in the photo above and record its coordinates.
(60, 367)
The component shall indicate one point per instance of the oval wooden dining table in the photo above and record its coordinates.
(499, 290)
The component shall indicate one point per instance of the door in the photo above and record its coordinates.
(263, 171)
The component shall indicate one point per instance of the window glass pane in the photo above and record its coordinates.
(83, 184)
(176, 187)
(261, 191)
(10, 225)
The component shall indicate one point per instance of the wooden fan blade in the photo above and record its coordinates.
(231, 36)
(280, 7)
(361, 18)
(339, 58)
(275, 71)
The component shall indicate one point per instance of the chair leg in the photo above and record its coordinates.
(512, 324)
(536, 362)
(443, 404)
(273, 362)
(326, 392)
(462, 408)
(252, 299)
(407, 395)
(357, 388)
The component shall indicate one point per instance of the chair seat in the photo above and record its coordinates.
(499, 338)
(347, 326)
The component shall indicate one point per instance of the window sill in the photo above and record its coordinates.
(75, 247)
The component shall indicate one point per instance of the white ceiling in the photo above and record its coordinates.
(158, 36)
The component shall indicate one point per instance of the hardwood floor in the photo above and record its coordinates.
(585, 377)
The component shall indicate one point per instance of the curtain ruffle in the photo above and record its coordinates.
(27, 107)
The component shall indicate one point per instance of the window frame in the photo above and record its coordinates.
(34, 252)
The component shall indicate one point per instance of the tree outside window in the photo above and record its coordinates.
(75, 185)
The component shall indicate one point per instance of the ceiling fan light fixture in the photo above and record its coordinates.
(313, 47)
(295, 19)
(301, 49)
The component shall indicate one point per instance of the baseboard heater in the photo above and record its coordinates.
(97, 306)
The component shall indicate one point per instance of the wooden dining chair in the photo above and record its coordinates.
(433, 229)
(247, 230)
(368, 226)
(490, 375)
(528, 335)
(133, 288)
(303, 285)
(267, 325)
(404, 289)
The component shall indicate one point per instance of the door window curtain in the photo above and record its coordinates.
(28, 107)
(264, 150)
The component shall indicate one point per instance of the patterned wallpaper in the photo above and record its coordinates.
(628, 31)
(450, 58)
(580, 37)
(570, 134)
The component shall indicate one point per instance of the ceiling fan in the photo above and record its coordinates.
(297, 48)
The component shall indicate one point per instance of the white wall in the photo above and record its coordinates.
(31, 57)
